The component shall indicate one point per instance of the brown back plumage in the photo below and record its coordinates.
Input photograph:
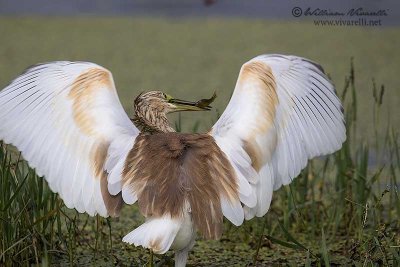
(168, 171)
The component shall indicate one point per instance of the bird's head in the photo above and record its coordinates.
(152, 107)
(164, 103)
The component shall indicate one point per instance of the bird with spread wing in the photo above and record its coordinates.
(67, 120)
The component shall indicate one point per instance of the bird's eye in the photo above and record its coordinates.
(167, 97)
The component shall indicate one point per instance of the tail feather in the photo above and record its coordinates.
(156, 234)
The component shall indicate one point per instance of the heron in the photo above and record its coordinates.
(68, 122)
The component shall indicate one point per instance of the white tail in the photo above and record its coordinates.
(156, 234)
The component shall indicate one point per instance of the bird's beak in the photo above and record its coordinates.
(183, 105)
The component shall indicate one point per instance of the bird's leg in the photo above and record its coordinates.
(181, 256)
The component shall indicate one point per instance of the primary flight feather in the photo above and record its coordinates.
(67, 120)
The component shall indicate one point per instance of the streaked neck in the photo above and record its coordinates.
(148, 120)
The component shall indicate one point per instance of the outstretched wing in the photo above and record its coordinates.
(283, 111)
(67, 120)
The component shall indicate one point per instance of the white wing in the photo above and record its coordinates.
(283, 111)
(67, 120)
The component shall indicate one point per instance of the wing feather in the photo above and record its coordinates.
(175, 173)
(63, 116)
(283, 111)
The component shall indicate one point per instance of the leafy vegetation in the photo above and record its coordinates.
(343, 209)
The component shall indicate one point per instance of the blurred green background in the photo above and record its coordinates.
(342, 209)
(191, 57)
